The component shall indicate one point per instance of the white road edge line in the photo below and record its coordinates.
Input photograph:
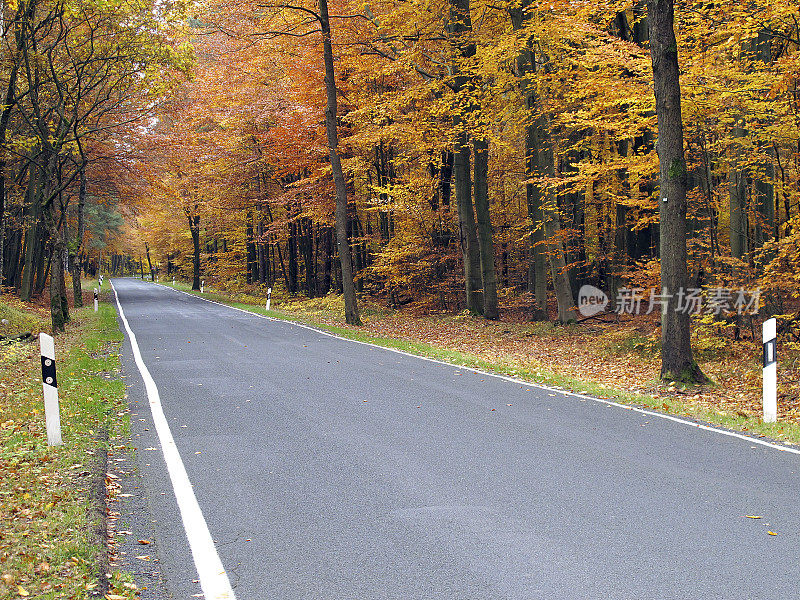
(213, 578)
(643, 411)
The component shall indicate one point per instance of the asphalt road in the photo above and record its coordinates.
(332, 470)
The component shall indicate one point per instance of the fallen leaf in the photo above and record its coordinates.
(22, 591)
(144, 542)
(772, 533)
(753, 516)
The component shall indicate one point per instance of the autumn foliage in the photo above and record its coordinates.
(496, 155)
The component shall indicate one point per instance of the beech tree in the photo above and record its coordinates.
(677, 363)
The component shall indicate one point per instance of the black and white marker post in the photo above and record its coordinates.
(202, 286)
(51, 412)
(269, 297)
(95, 299)
(770, 339)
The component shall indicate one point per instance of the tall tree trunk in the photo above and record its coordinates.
(149, 262)
(250, 259)
(262, 275)
(485, 243)
(291, 258)
(544, 166)
(555, 247)
(737, 189)
(537, 268)
(677, 362)
(32, 234)
(348, 286)
(11, 90)
(194, 228)
(466, 220)
(56, 273)
(459, 28)
(766, 226)
(75, 249)
(59, 312)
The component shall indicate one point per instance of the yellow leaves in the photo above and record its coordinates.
(22, 591)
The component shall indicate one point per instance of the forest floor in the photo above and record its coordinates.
(616, 359)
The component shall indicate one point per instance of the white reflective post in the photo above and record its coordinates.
(173, 282)
(202, 286)
(770, 339)
(269, 297)
(95, 299)
(51, 412)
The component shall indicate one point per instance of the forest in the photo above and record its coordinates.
(462, 155)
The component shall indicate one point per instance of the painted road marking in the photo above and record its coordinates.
(518, 381)
(213, 578)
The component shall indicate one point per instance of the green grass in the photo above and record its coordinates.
(19, 320)
(46, 549)
(627, 342)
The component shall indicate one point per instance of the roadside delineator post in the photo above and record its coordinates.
(269, 297)
(173, 282)
(202, 286)
(51, 412)
(95, 299)
(770, 376)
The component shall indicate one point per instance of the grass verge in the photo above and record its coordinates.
(672, 399)
(50, 542)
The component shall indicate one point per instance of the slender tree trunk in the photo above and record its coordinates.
(149, 262)
(251, 252)
(58, 314)
(262, 276)
(466, 220)
(62, 278)
(194, 228)
(485, 243)
(75, 249)
(5, 117)
(537, 268)
(764, 182)
(291, 257)
(677, 362)
(558, 264)
(459, 29)
(737, 188)
(348, 285)
(32, 234)
(545, 167)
